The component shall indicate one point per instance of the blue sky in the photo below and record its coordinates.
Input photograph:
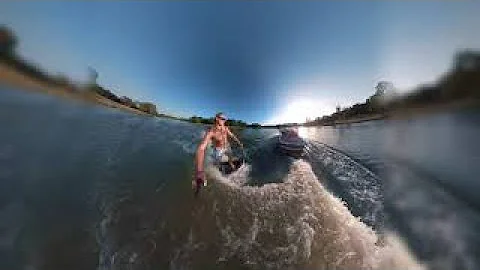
(259, 61)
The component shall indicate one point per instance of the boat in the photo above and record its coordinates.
(291, 143)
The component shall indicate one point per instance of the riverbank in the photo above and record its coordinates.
(412, 112)
(14, 78)
(359, 119)
(406, 112)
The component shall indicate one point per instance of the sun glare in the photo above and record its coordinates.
(298, 111)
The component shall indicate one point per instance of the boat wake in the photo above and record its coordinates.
(240, 221)
(296, 224)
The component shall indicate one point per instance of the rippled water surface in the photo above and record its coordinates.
(85, 187)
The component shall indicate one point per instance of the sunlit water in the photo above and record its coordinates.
(85, 187)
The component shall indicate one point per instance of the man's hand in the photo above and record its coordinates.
(199, 179)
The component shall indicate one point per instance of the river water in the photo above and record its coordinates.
(87, 187)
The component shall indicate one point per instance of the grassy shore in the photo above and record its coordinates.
(14, 78)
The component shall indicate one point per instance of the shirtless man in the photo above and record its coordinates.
(218, 134)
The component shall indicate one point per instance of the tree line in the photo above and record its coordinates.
(9, 56)
(461, 82)
(229, 122)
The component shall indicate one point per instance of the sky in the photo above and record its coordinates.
(258, 61)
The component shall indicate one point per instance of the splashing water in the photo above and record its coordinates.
(296, 224)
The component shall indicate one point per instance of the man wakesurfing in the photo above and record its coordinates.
(218, 134)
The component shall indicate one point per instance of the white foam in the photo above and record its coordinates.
(396, 255)
(296, 224)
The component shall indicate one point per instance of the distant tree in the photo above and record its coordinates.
(62, 80)
(384, 91)
(238, 123)
(128, 102)
(8, 42)
(92, 76)
(464, 80)
(208, 121)
(467, 60)
(148, 107)
(383, 87)
(195, 119)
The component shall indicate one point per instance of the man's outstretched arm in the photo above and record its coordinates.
(200, 154)
(234, 137)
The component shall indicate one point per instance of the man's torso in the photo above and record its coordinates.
(219, 137)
